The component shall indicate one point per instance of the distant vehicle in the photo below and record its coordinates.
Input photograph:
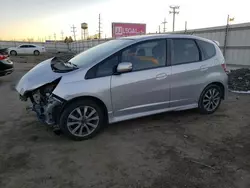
(26, 49)
(6, 65)
(126, 78)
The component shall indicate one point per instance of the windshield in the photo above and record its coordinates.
(95, 53)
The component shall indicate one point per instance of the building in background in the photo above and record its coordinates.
(127, 29)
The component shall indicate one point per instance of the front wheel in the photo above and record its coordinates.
(13, 53)
(36, 53)
(210, 99)
(82, 120)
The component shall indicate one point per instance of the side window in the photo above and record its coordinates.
(31, 46)
(146, 55)
(185, 51)
(208, 49)
(106, 67)
(23, 46)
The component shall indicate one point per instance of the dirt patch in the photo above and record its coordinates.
(14, 162)
(239, 79)
(178, 149)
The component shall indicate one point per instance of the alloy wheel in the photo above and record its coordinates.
(82, 121)
(211, 99)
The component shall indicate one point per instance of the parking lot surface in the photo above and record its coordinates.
(169, 150)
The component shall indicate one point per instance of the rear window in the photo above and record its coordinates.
(207, 48)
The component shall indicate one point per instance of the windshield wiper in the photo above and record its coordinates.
(74, 65)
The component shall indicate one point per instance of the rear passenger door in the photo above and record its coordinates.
(31, 49)
(189, 72)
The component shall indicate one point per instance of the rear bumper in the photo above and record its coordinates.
(225, 92)
(225, 84)
(6, 72)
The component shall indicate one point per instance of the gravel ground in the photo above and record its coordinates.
(169, 150)
(239, 80)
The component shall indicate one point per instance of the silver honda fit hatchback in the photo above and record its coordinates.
(126, 78)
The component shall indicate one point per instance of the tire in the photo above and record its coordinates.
(210, 99)
(72, 125)
(13, 53)
(36, 53)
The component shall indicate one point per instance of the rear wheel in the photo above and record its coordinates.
(36, 52)
(13, 53)
(210, 99)
(82, 120)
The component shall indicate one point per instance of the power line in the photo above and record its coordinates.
(174, 12)
(164, 25)
(74, 31)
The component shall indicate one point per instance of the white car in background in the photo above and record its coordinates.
(26, 49)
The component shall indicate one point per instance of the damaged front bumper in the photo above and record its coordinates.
(49, 113)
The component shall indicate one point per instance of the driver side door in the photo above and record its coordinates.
(22, 49)
(146, 89)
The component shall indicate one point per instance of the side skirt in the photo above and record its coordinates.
(113, 119)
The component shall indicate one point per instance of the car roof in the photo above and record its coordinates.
(159, 36)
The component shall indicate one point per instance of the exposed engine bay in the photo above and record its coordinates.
(44, 103)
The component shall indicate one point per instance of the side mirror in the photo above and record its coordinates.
(124, 67)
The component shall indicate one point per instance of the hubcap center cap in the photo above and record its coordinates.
(84, 121)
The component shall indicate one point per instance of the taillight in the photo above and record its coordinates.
(2, 57)
(224, 67)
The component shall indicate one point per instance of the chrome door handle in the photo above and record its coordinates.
(203, 67)
(161, 76)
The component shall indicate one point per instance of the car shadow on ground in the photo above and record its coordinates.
(153, 120)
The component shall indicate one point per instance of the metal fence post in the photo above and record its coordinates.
(225, 40)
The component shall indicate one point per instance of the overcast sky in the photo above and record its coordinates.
(22, 19)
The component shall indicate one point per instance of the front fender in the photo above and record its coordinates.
(98, 88)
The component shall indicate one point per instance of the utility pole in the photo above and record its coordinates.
(226, 33)
(74, 31)
(55, 40)
(185, 26)
(164, 25)
(159, 28)
(174, 12)
(74, 34)
(62, 35)
(99, 26)
(55, 36)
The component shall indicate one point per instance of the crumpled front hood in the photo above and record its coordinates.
(38, 76)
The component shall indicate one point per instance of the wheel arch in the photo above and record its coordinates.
(95, 99)
(36, 51)
(220, 85)
(13, 50)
